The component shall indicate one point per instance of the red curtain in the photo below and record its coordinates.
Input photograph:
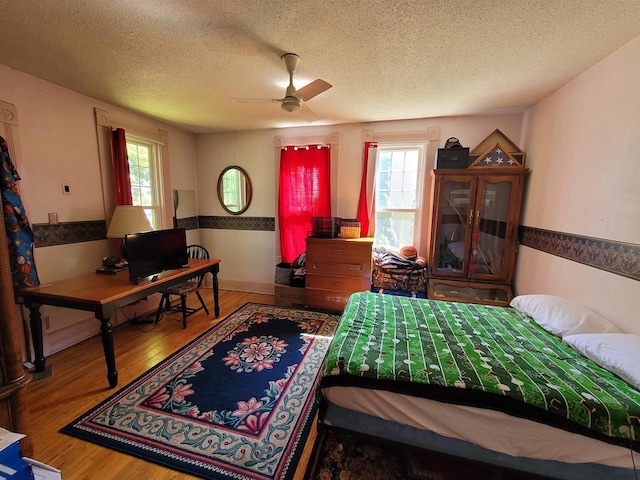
(120, 162)
(366, 201)
(304, 193)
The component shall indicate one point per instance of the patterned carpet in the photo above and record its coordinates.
(341, 456)
(235, 403)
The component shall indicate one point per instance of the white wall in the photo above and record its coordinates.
(582, 145)
(583, 148)
(249, 257)
(59, 144)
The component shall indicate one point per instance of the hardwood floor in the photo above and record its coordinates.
(79, 382)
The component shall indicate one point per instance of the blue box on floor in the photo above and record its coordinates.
(12, 466)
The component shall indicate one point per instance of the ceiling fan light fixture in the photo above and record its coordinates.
(290, 104)
(294, 98)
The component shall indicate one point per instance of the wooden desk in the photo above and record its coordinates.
(103, 295)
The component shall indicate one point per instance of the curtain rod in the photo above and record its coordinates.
(296, 147)
(147, 136)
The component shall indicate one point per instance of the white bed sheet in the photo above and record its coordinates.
(486, 428)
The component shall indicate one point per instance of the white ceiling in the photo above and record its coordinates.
(184, 61)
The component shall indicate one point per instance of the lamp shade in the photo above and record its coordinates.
(128, 219)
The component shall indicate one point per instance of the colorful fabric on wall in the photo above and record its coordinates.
(19, 233)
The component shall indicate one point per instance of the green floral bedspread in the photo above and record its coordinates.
(493, 357)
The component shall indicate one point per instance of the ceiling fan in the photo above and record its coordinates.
(294, 99)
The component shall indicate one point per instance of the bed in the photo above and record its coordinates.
(486, 383)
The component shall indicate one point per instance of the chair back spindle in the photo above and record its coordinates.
(183, 289)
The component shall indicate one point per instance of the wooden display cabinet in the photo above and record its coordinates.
(475, 213)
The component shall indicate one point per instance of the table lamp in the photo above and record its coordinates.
(126, 219)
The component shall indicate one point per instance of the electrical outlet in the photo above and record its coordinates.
(53, 219)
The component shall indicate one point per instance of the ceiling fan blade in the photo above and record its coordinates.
(308, 114)
(257, 100)
(312, 89)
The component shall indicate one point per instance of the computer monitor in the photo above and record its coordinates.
(152, 252)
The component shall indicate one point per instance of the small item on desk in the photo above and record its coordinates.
(114, 262)
(154, 278)
(112, 265)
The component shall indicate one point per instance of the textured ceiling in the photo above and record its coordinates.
(185, 61)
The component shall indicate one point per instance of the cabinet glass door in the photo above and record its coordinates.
(453, 234)
(490, 231)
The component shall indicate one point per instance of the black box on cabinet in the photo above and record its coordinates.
(326, 227)
(452, 158)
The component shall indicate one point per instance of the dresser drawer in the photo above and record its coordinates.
(349, 284)
(333, 300)
(339, 257)
(328, 267)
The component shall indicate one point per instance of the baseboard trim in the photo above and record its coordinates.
(250, 287)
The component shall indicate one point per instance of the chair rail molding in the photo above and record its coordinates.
(620, 258)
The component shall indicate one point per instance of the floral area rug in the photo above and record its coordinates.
(235, 403)
(342, 456)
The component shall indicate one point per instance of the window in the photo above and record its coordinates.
(399, 181)
(145, 178)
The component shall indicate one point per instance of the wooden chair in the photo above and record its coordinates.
(183, 289)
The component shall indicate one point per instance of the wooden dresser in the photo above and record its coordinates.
(336, 268)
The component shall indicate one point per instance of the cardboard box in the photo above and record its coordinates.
(287, 296)
(42, 471)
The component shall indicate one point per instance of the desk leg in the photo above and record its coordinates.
(109, 354)
(216, 303)
(35, 323)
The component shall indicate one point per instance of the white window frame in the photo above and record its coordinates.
(154, 210)
(420, 187)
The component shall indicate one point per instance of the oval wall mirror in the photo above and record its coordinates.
(234, 190)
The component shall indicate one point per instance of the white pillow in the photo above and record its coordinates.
(617, 352)
(562, 317)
